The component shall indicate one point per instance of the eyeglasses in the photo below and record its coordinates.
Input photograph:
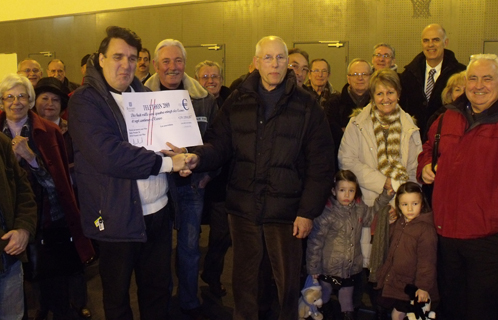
(24, 97)
(297, 68)
(213, 77)
(356, 74)
(269, 59)
(385, 55)
(27, 71)
(319, 71)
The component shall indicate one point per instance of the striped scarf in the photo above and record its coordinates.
(388, 156)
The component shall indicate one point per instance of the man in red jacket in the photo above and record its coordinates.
(464, 199)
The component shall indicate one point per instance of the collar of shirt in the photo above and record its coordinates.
(10, 129)
(428, 69)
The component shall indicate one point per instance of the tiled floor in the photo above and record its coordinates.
(213, 308)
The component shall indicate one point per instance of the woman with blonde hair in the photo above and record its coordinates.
(454, 88)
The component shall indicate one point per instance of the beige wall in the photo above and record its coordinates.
(32, 9)
(239, 24)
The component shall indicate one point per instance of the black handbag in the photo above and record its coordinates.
(52, 254)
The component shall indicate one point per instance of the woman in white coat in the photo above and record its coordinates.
(380, 145)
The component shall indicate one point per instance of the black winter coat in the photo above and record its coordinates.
(281, 167)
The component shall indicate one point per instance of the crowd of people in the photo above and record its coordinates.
(381, 187)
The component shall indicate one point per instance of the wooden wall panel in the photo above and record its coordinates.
(241, 23)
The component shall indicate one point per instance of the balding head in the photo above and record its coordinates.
(271, 60)
(31, 69)
(434, 40)
(264, 40)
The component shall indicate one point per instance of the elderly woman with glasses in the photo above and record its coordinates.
(39, 147)
(380, 145)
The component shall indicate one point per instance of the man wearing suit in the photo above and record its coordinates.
(425, 77)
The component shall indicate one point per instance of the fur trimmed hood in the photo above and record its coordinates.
(194, 88)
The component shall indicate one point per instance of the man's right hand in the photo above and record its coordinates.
(427, 174)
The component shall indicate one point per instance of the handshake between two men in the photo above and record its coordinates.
(183, 162)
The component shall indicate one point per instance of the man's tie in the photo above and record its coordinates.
(430, 84)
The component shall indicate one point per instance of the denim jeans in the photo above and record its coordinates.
(12, 293)
(190, 202)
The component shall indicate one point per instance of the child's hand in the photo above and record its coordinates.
(392, 215)
(422, 295)
(315, 276)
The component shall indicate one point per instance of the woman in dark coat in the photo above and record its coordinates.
(40, 150)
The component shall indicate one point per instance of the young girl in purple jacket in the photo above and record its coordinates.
(411, 258)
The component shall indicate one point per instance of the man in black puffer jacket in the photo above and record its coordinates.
(281, 174)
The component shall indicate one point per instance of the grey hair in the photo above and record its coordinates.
(28, 59)
(387, 45)
(270, 38)
(169, 43)
(207, 63)
(359, 60)
(11, 80)
(483, 56)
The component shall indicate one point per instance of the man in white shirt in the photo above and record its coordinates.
(123, 189)
(421, 94)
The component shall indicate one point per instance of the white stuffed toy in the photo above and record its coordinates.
(419, 310)
(310, 300)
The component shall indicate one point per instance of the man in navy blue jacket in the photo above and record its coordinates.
(123, 189)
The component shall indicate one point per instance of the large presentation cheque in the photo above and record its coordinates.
(154, 118)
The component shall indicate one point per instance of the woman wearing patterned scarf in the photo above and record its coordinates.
(380, 144)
